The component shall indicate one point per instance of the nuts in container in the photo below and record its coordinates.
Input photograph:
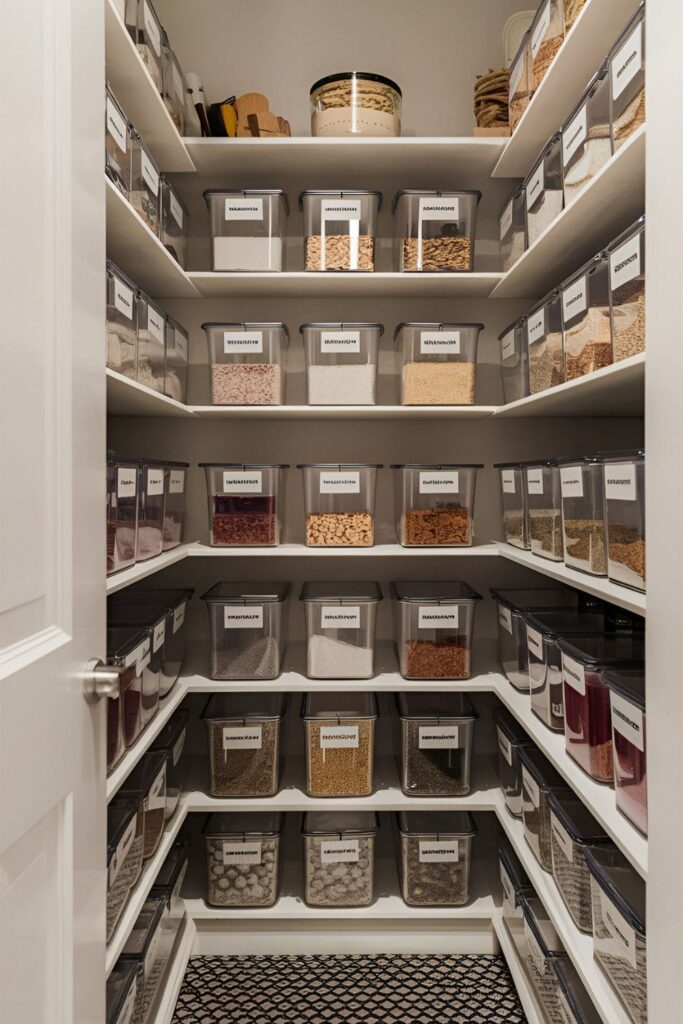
(435, 230)
(339, 850)
(355, 103)
(435, 854)
(243, 857)
(340, 504)
(340, 228)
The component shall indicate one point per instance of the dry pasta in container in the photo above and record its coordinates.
(356, 103)
(627, 291)
(244, 860)
(246, 502)
(246, 362)
(436, 735)
(117, 144)
(629, 745)
(512, 228)
(435, 230)
(125, 841)
(434, 628)
(511, 739)
(340, 229)
(544, 344)
(547, 36)
(515, 501)
(248, 228)
(538, 947)
(627, 80)
(512, 638)
(519, 82)
(435, 857)
(543, 194)
(625, 510)
(539, 779)
(544, 502)
(122, 323)
(341, 362)
(171, 740)
(434, 504)
(177, 359)
(586, 140)
(244, 744)
(175, 222)
(340, 629)
(149, 778)
(574, 1003)
(583, 515)
(586, 321)
(514, 361)
(339, 858)
(340, 741)
(573, 832)
(339, 501)
(144, 192)
(247, 629)
(438, 362)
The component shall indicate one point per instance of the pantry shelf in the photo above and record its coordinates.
(125, 397)
(583, 51)
(305, 284)
(609, 203)
(139, 97)
(141, 570)
(526, 994)
(140, 254)
(344, 412)
(377, 551)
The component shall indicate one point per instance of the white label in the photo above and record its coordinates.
(138, 655)
(622, 933)
(575, 134)
(333, 737)
(143, 663)
(531, 787)
(440, 341)
(435, 617)
(535, 643)
(628, 720)
(438, 737)
(178, 748)
(159, 635)
(535, 951)
(126, 483)
(242, 737)
(620, 481)
(340, 616)
(150, 175)
(242, 481)
(438, 851)
(178, 84)
(575, 299)
(243, 209)
(574, 675)
(439, 483)
(178, 617)
(117, 861)
(535, 326)
(340, 209)
(505, 618)
(504, 746)
(534, 481)
(434, 208)
(627, 62)
(624, 262)
(538, 34)
(507, 345)
(516, 73)
(157, 794)
(242, 341)
(176, 209)
(506, 219)
(116, 126)
(339, 851)
(340, 483)
(508, 479)
(571, 481)
(242, 853)
(176, 481)
(563, 838)
(155, 482)
(535, 187)
(155, 324)
(123, 299)
(240, 616)
(152, 28)
(340, 341)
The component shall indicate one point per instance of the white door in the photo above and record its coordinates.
(52, 544)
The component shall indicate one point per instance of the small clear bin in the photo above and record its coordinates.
(122, 323)
(246, 361)
(175, 222)
(583, 515)
(544, 499)
(175, 478)
(629, 745)
(174, 604)
(147, 949)
(171, 740)
(340, 741)
(511, 739)
(573, 832)
(539, 778)
(339, 852)
(519, 82)
(438, 362)
(586, 142)
(174, 85)
(435, 857)
(121, 991)
(169, 881)
(146, 31)
(117, 144)
(341, 362)
(625, 509)
(618, 896)
(244, 744)
(151, 344)
(358, 103)
(125, 841)
(131, 648)
(512, 639)
(177, 359)
(513, 487)
(544, 344)
(149, 778)
(576, 1006)
(627, 80)
(144, 183)
(586, 320)
(339, 499)
(340, 229)
(248, 228)
(436, 735)
(547, 36)
(243, 859)
(514, 883)
(538, 947)
(150, 535)
(122, 513)
(514, 361)
(434, 230)
(151, 620)
(587, 717)
(434, 628)
(434, 505)
(627, 291)
(513, 237)
(340, 629)
(246, 502)
(247, 627)
(543, 191)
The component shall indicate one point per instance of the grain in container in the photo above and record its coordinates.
(357, 103)
(175, 475)
(149, 778)
(627, 80)
(586, 142)
(514, 361)
(538, 946)
(117, 143)
(130, 648)
(122, 323)
(544, 499)
(175, 222)
(434, 628)
(586, 324)
(174, 85)
(146, 32)
(435, 230)
(340, 229)
(519, 82)
(247, 628)
(340, 629)
(512, 638)
(151, 363)
(547, 36)
(435, 857)
(512, 229)
(539, 779)
(169, 881)
(511, 739)
(149, 951)
(243, 859)
(248, 228)
(434, 504)
(543, 190)
(627, 291)
(339, 500)
(624, 474)
(244, 744)
(436, 735)
(144, 192)
(583, 515)
(515, 500)
(629, 745)
(573, 832)
(514, 883)
(177, 359)
(125, 841)
(341, 362)
(122, 512)
(246, 502)
(437, 362)
(574, 1002)
(340, 739)
(544, 344)
(171, 740)
(150, 534)
(246, 362)
(121, 990)
(339, 858)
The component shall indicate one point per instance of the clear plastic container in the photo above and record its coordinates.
(175, 475)
(513, 488)
(539, 778)
(625, 511)
(512, 638)
(246, 503)
(117, 144)
(629, 745)
(544, 500)
(514, 883)
(586, 142)
(573, 832)
(586, 319)
(149, 778)
(151, 620)
(435, 230)
(125, 842)
(169, 881)
(131, 648)
(341, 362)
(340, 229)
(339, 499)
(438, 362)
(544, 344)
(174, 85)
(340, 741)
(547, 36)
(543, 190)
(248, 228)
(511, 739)
(434, 628)
(174, 604)
(512, 233)
(434, 504)
(618, 895)
(147, 949)
(144, 183)
(340, 629)
(583, 515)
(627, 80)
(247, 629)
(435, 857)
(587, 718)
(174, 223)
(116, 743)
(339, 852)
(436, 736)
(519, 82)
(122, 323)
(146, 31)
(150, 535)
(538, 947)
(358, 103)
(177, 359)
(246, 361)
(171, 740)
(243, 859)
(151, 344)
(244, 744)
(627, 291)
(121, 989)
(514, 361)
(574, 1003)
(122, 513)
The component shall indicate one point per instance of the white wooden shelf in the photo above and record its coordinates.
(527, 996)
(125, 397)
(382, 284)
(377, 551)
(133, 87)
(344, 412)
(611, 201)
(141, 570)
(583, 51)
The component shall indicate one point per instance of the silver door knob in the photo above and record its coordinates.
(101, 680)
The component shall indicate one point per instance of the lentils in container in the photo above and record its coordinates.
(175, 222)
(341, 362)
(625, 509)
(145, 30)
(149, 778)
(122, 512)
(514, 883)
(583, 515)
(243, 859)
(543, 190)
(519, 82)
(171, 740)
(539, 947)
(573, 833)
(339, 858)
(174, 504)
(246, 361)
(544, 344)
(434, 504)
(248, 229)
(149, 950)
(512, 637)
(438, 362)
(574, 1003)
(436, 732)
(586, 322)
(358, 103)
(435, 857)
(514, 361)
(434, 628)
(151, 344)
(177, 359)
(435, 230)
(512, 234)
(340, 629)
(586, 142)
(627, 80)
(515, 498)
(125, 841)
(629, 746)
(340, 741)
(544, 500)
(511, 739)
(547, 36)
(121, 990)
(150, 533)
(122, 323)
(244, 744)
(339, 500)
(117, 144)
(130, 648)
(340, 229)
(245, 503)
(539, 779)
(247, 625)
(144, 183)
(627, 291)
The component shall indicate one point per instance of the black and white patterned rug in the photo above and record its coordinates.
(377, 989)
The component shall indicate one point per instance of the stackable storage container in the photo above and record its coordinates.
(246, 502)
(434, 504)
(544, 501)
(627, 80)
(356, 103)
(547, 36)
(174, 603)
(169, 881)
(243, 859)
(435, 230)
(586, 319)
(629, 745)
(519, 82)
(151, 363)
(512, 638)
(122, 512)
(340, 229)
(573, 833)
(574, 1002)
(340, 629)
(122, 323)
(248, 228)
(171, 740)
(586, 142)
(339, 852)
(247, 629)
(131, 648)
(438, 362)
(177, 359)
(435, 857)
(624, 474)
(151, 619)
(512, 229)
(174, 85)
(117, 144)
(436, 734)
(148, 949)
(146, 31)
(341, 362)
(121, 990)
(515, 884)
(149, 778)
(125, 842)
(514, 361)
(150, 533)
(246, 362)
(538, 947)
(340, 741)
(539, 779)
(627, 291)
(513, 487)
(511, 739)
(583, 515)
(544, 344)
(175, 223)
(339, 500)
(144, 192)
(543, 194)
(244, 744)
(175, 474)
(434, 628)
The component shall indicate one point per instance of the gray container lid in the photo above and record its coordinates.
(122, 640)
(261, 823)
(169, 598)
(248, 325)
(612, 650)
(246, 192)
(144, 929)
(325, 705)
(340, 465)
(634, 229)
(247, 593)
(337, 326)
(347, 823)
(559, 622)
(120, 812)
(340, 193)
(437, 465)
(528, 902)
(576, 819)
(628, 683)
(511, 327)
(341, 592)
(436, 823)
(415, 325)
(440, 193)
(620, 882)
(117, 272)
(146, 771)
(434, 592)
(436, 707)
(245, 707)
(577, 997)
(513, 866)
(530, 599)
(506, 721)
(538, 765)
(243, 465)
(345, 76)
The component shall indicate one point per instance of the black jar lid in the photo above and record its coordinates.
(344, 76)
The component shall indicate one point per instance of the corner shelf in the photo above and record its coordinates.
(376, 551)
(125, 397)
(343, 412)
(380, 284)
(141, 570)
